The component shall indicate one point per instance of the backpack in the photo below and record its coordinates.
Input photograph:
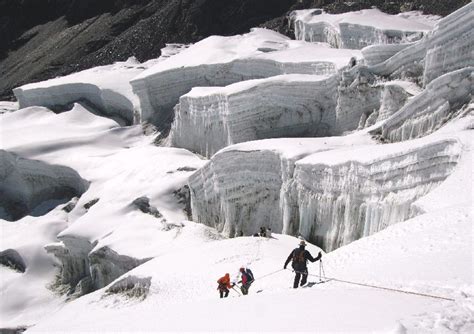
(298, 256)
(249, 275)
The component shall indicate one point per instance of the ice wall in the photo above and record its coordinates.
(394, 96)
(358, 98)
(342, 202)
(378, 53)
(355, 30)
(34, 187)
(431, 109)
(84, 269)
(208, 119)
(238, 191)
(331, 198)
(106, 89)
(449, 47)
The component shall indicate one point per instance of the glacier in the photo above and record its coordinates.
(366, 154)
(221, 61)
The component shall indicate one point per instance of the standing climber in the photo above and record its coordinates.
(246, 280)
(299, 256)
(224, 285)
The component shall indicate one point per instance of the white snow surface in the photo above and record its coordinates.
(257, 44)
(427, 255)
(121, 165)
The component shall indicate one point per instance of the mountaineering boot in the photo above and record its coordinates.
(304, 279)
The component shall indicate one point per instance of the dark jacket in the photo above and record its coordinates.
(300, 256)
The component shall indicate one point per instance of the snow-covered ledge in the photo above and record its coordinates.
(431, 109)
(355, 30)
(105, 89)
(221, 61)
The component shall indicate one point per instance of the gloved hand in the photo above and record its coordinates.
(233, 284)
(320, 254)
(284, 267)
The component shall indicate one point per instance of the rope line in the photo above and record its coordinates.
(376, 286)
(272, 273)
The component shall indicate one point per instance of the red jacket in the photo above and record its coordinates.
(224, 282)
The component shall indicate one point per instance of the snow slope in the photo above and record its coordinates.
(407, 256)
(96, 241)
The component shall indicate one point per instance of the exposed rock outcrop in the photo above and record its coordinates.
(12, 259)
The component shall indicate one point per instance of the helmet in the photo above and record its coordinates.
(242, 269)
(302, 243)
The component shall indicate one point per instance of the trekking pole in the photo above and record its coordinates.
(321, 267)
(320, 270)
(236, 291)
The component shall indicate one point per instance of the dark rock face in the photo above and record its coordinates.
(143, 204)
(42, 39)
(30, 187)
(12, 259)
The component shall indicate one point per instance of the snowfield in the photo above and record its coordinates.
(111, 224)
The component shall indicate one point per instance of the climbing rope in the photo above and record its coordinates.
(375, 286)
(272, 273)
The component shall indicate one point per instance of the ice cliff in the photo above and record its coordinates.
(332, 197)
(208, 119)
(105, 89)
(356, 30)
(430, 110)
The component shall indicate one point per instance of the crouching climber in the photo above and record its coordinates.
(224, 285)
(246, 280)
(299, 256)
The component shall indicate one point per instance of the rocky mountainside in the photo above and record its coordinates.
(43, 39)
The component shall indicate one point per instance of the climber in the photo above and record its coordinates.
(269, 232)
(224, 285)
(263, 232)
(246, 280)
(299, 256)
